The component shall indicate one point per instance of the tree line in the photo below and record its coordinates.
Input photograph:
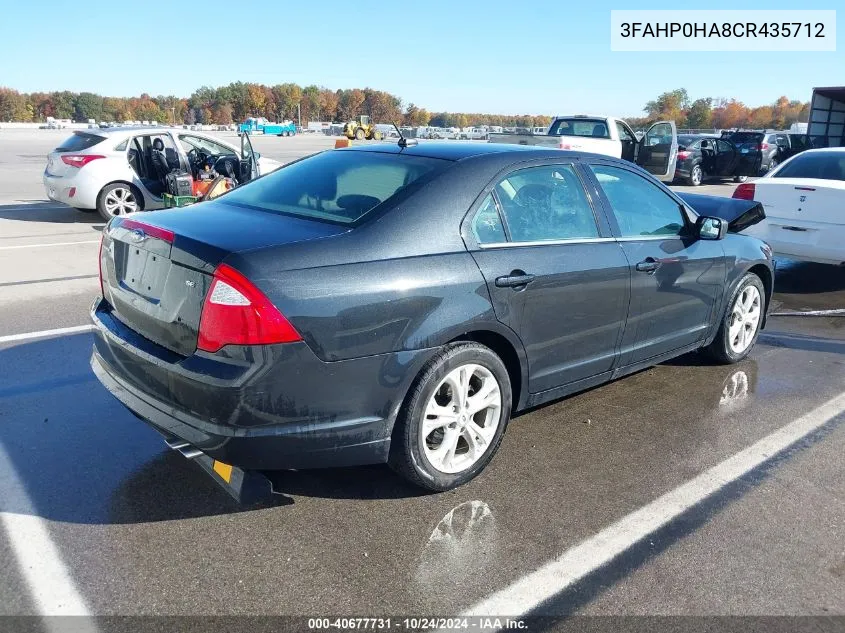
(707, 113)
(237, 101)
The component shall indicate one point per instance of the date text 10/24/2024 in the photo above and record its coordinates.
(418, 624)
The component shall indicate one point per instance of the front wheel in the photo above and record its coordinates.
(359, 134)
(741, 322)
(454, 418)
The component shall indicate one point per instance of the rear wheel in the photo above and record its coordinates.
(454, 418)
(117, 199)
(359, 134)
(741, 322)
(695, 176)
(773, 164)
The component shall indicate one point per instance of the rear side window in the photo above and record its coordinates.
(487, 225)
(335, 186)
(79, 141)
(824, 165)
(580, 127)
(546, 203)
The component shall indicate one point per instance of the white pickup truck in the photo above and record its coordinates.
(656, 151)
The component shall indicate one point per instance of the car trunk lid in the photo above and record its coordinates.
(158, 267)
(802, 200)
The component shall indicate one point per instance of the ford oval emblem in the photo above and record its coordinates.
(137, 235)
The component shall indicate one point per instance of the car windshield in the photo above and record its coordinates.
(822, 165)
(79, 141)
(335, 186)
(580, 127)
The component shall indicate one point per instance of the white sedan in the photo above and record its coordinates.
(121, 170)
(804, 200)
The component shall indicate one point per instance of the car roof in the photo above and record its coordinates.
(816, 150)
(129, 129)
(460, 151)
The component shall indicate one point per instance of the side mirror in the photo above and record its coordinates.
(712, 228)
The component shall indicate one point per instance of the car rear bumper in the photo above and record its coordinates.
(282, 408)
(77, 192)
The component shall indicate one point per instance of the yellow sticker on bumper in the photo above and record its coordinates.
(224, 470)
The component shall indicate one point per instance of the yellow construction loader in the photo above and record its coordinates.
(361, 129)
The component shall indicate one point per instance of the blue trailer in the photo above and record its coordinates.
(261, 125)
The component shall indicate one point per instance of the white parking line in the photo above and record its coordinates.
(76, 329)
(46, 576)
(530, 591)
(9, 248)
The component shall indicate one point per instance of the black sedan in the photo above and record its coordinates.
(702, 157)
(399, 304)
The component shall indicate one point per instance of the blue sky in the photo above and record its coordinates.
(463, 55)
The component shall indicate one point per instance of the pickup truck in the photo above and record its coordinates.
(656, 151)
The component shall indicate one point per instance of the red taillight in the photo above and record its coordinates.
(745, 191)
(235, 312)
(79, 160)
(563, 145)
(763, 146)
(684, 155)
(148, 229)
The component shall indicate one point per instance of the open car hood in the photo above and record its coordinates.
(740, 214)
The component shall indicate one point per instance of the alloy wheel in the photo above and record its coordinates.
(696, 175)
(744, 319)
(461, 418)
(120, 201)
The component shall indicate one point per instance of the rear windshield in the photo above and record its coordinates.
(689, 141)
(580, 127)
(824, 165)
(335, 186)
(739, 138)
(79, 141)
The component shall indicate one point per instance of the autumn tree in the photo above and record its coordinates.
(700, 114)
(669, 105)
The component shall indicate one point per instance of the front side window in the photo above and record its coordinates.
(641, 208)
(624, 133)
(546, 203)
(333, 186)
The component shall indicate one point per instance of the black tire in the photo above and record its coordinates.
(720, 349)
(102, 198)
(696, 175)
(359, 134)
(407, 456)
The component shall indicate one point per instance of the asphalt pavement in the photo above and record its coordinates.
(99, 517)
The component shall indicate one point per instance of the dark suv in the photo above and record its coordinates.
(774, 147)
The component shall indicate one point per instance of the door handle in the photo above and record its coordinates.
(516, 279)
(648, 265)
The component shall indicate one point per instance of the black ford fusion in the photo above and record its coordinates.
(399, 304)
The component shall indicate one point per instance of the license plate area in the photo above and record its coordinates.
(140, 271)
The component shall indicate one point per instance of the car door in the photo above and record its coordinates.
(727, 158)
(676, 279)
(657, 150)
(555, 274)
(249, 160)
